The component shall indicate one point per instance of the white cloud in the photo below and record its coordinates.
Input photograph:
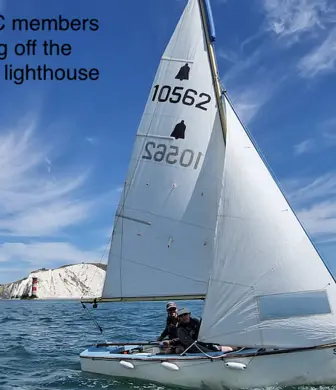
(303, 191)
(291, 19)
(45, 220)
(246, 99)
(39, 202)
(227, 55)
(241, 64)
(91, 140)
(245, 106)
(315, 205)
(44, 253)
(303, 147)
(320, 219)
(36, 255)
(48, 163)
(31, 201)
(250, 84)
(326, 138)
(250, 98)
(322, 59)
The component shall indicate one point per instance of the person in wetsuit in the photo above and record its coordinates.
(187, 333)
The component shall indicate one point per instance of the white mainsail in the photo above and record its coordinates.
(268, 285)
(163, 239)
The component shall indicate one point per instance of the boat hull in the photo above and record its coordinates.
(283, 368)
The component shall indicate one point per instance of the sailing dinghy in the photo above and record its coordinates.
(200, 205)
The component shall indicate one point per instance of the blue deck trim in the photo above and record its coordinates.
(113, 352)
(211, 24)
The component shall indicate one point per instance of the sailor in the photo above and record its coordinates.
(170, 330)
(187, 333)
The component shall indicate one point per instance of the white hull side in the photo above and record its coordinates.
(305, 367)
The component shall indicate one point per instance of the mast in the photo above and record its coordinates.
(210, 36)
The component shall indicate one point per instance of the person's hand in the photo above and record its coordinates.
(166, 343)
(224, 348)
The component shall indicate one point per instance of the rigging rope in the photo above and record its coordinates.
(207, 355)
(101, 330)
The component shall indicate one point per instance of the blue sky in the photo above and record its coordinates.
(65, 146)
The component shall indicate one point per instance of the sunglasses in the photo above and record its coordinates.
(172, 309)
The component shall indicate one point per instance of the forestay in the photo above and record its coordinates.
(162, 244)
(268, 287)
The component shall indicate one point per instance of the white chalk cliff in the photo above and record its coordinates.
(69, 281)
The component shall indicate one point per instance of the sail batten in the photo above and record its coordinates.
(185, 60)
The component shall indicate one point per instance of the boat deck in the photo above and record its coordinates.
(150, 352)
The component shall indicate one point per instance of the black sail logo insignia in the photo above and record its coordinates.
(179, 130)
(183, 73)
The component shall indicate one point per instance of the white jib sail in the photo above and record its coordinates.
(164, 227)
(268, 286)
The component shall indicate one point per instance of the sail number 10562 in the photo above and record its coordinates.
(171, 154)
(187, 97)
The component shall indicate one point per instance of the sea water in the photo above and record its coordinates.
(40, 341)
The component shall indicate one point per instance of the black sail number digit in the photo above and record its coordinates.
(149, 154)
(164, 93)
(159, 155)
(177, 94)
(188, 98)
(207, 100)
(186, 160)
(156, 88)
(172, 154)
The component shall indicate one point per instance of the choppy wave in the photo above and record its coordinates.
(41, 342)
